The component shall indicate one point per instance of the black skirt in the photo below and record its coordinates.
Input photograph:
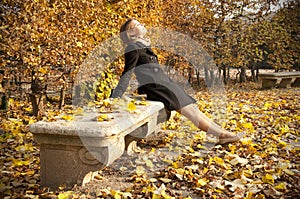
(173, 99)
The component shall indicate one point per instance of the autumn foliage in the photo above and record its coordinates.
(43, 43)
(43, 47)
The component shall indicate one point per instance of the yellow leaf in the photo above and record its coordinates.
(67, 117)
(161, 193)
(142, 103)
(126, 195)
(30, 173)
(11, 101)
(153, 150)
(31, 121)
(191, 150)
(79, 44)
(248, 173)
(199, 146)
(248, 125)
(103, 117)
(219, 161)
(156, 196)
(290, 172)
(260, 196)
(245, 180)
(79, 111)
(180, 171)
(280, 186)
(236, 184)
(268, 179)
(131, 106)
(210, 161)
(17, 162)
(24, 148)
(91, 104)
(246, 141)
(107, 102)
(65, 195)
(232, 148)
(42, 70)
(238, 160)
(267, 105)
(282, 144)
(28, 109)
(140, 170)
(201, 182)
(116, 194)
(249, 195)
(149, 163)
(284, 129)
(165, 180)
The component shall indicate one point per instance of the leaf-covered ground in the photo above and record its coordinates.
(179, 162)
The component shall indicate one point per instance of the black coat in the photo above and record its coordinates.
(153, 81)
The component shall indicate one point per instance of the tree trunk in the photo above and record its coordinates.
(37, 97)
(243, 77)
(198, 76)
(62, 97)
(76, 97)
(212, 78)
(257, 72)
(62, 94)
(34, 103)
(37, 103)
(226, 76)
(207, 78)
(4, 104)
(254, 73)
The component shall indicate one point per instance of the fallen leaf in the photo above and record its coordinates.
(131, 106)
(67, 117)
(268, 179)
(238, 183)
(238, 160)
(140, 170)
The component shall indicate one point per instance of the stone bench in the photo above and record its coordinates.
(280, 79)
(71, 149)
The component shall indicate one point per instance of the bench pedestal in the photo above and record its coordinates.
(66, 159)
(70, 150)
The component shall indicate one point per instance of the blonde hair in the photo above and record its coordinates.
(124, 30)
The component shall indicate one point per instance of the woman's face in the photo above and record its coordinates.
(138, 29)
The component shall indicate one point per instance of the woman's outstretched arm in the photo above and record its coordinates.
(131, 58)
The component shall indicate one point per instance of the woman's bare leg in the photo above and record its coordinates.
(193, 113)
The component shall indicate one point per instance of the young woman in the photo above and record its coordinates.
(154, 82)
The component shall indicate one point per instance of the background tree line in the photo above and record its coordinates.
(44, 42)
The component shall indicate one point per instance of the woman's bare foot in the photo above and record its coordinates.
(230, 137)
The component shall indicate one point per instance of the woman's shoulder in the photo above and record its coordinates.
(133, 47)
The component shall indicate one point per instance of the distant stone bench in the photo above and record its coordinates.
(71, 149)
(280, 79)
